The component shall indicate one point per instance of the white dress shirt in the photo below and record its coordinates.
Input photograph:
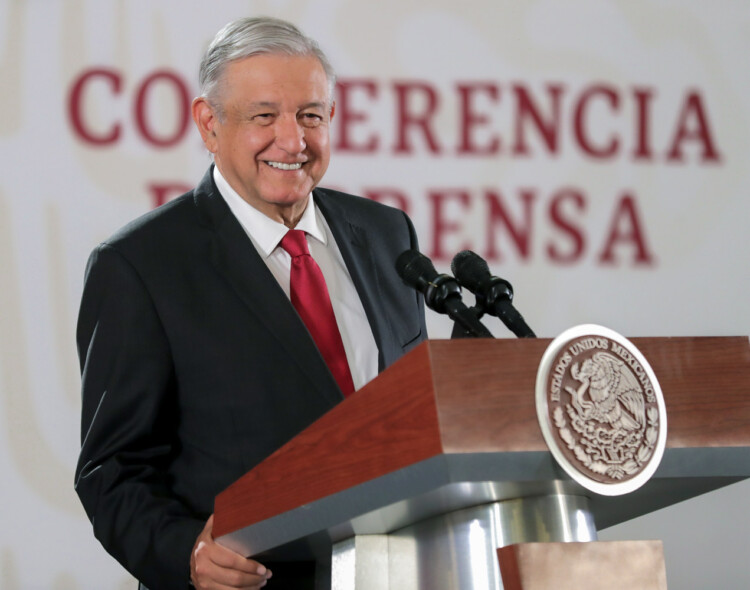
(266, 234)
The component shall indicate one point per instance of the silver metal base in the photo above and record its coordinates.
(457, 550)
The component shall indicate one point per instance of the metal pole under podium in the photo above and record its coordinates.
(458, 549)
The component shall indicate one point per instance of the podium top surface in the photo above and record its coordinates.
(453, 424)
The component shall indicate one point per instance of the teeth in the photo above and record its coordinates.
(283, 166)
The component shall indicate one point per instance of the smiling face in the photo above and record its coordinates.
(269, 134)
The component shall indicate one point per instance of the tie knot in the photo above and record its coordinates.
(295, 243)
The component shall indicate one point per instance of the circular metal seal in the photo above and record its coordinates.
(601, 410)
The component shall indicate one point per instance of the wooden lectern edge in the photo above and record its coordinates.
(447, 431)
(342, 464)
(730, 415)
(447, 483)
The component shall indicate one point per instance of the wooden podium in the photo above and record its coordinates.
(416, 479)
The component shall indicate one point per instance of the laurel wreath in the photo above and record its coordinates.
(611, 469)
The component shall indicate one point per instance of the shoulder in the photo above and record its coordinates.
(358, 209)
(154, 223)
(177, 227)
(349, 200)
(142, 244)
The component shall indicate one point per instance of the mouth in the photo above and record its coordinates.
(284, 165)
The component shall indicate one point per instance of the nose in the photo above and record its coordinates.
(290, 135)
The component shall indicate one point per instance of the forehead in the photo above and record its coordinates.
(275, 78)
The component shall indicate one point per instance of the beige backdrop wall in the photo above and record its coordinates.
(596, 153)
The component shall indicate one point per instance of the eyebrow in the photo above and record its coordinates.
(259, 105)
(317, 104)
(269, 104)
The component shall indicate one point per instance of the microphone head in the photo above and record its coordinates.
(418, 272)
(415, 269)
(471, 270)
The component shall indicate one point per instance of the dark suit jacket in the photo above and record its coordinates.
(195, 365)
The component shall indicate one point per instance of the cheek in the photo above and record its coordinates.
(252, 142)
(319, 142)
(318, 136)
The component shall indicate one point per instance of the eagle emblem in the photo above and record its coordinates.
(614, 395)
(601, 409)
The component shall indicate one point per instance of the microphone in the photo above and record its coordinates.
(494, 295)
(442, 292)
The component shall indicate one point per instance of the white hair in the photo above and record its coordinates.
(246, 37)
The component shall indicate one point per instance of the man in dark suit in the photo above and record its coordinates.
(196, 365)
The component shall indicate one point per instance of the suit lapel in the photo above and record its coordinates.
(236, 259)
(356, 248)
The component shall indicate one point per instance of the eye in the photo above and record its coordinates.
(263, 118)
(310, 119)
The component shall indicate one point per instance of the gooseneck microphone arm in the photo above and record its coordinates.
(442, 292)
(494, 295)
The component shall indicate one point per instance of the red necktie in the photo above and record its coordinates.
(310, 298)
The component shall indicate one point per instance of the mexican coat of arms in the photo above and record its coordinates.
(601, 410)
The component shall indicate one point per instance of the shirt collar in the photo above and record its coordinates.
(265, 232)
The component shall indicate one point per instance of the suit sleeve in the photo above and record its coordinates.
(129, 426)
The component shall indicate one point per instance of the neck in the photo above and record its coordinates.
(290, 215)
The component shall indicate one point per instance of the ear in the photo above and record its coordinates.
(333, 111)
(206, 120)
